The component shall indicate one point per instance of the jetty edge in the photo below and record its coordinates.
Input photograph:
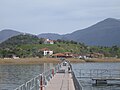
(61, 77)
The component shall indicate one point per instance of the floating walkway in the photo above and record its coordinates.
(62, 80)
(60, 77)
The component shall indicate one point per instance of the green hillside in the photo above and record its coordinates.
(21, 40)
(30, 45)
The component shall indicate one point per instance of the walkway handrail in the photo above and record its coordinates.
(75, 80)
(39, 81)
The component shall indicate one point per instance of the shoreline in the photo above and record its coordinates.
(53, 60)
(28, 61)
(102, 60)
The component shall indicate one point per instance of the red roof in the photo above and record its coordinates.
(44, 49)
(59, 54)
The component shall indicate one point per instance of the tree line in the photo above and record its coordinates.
(29, 45)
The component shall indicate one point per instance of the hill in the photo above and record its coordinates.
(103, 33)
(26, 45)
(30, 45)
(7, 33)
(50, 36)
(20, 40)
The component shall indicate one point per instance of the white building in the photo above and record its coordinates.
(46, 51)
(48, 41)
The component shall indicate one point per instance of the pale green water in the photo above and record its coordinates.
(87, 83)
(12, 76)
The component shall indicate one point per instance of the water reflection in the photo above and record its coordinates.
(12, 76)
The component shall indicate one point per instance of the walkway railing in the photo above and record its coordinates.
(75, 80)
(39, 81)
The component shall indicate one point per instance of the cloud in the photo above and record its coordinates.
(59, 16)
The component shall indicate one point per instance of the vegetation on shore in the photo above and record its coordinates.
(29, 46)
(51, 60)
(26, 46)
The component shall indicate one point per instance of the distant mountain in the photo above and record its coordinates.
(7, 33)
(104, 33)
(50, 36)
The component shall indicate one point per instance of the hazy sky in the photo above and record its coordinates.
(55, 16)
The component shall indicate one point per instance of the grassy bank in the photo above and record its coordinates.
(28, 61)
(74, 60)
(52, 60)
(103, 60)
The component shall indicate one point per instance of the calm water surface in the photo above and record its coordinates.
(12, 76)
(87, 83)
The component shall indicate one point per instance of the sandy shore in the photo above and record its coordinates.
(29, 61)
(75, 60)
(36, 61)
(103, 60)
(51, 60)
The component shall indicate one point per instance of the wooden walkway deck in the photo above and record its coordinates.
(61, 81)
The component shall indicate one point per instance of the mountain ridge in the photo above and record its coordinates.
(103, 33)
(7, 33)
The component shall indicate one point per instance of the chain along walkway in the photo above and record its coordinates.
(62, 80)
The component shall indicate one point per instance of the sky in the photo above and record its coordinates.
(55, 16)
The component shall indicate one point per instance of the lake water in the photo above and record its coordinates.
(12, 76)
(87, 83)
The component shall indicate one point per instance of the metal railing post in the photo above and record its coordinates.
(53, 72)
(41, 82)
